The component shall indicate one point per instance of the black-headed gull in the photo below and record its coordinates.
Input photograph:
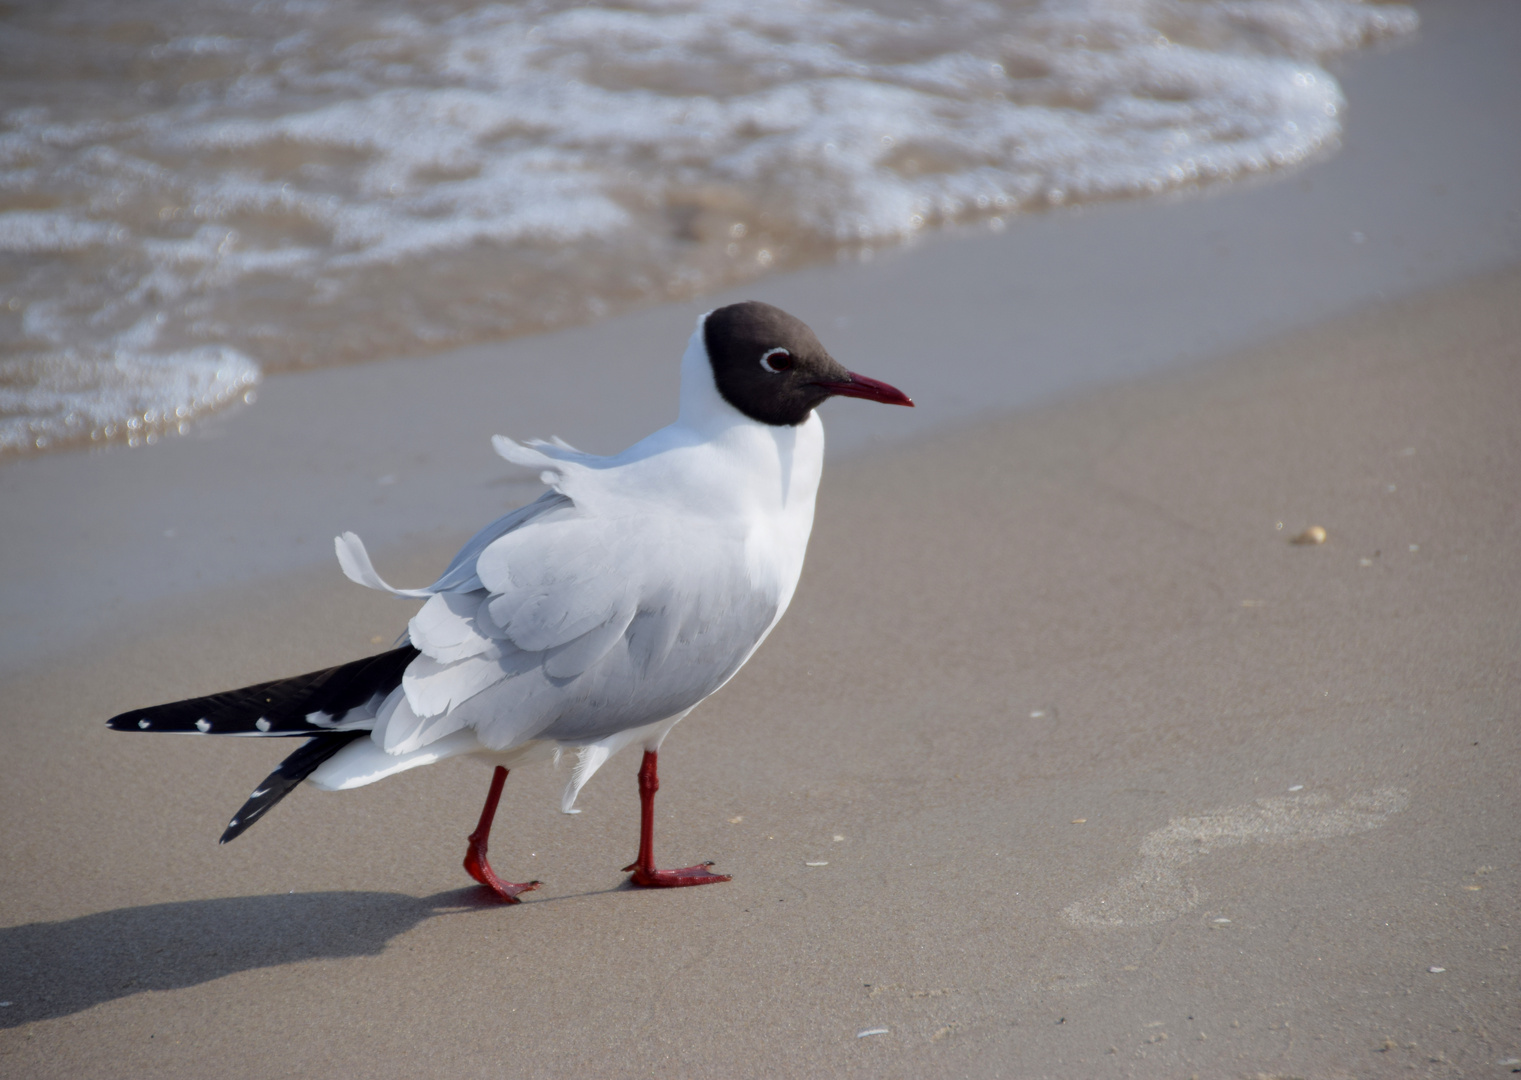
(592, 619)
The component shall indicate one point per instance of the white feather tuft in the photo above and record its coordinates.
(588, 761)
(357, 567)
(519, 454)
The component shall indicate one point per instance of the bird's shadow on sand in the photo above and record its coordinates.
(53, 969)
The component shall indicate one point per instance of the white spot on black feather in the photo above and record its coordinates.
(142, 725)
(262, 724)
(203, 725)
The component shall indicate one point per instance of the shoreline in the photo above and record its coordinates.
(307, 260)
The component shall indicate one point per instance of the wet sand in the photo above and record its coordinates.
(1109, 779)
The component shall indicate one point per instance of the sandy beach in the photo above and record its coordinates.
(1065, 762)
(1121, 782)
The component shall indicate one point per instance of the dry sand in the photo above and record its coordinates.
(1110, 780)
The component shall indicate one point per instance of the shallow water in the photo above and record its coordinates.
(195, 192)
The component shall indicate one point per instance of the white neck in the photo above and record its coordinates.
(703, 408)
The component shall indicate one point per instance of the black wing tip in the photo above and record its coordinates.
(159, 718)
(287, 776)
(264, 797)
(278, 708)
(254, 808)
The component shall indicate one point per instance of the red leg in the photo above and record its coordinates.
(644, 866)
(475, 856)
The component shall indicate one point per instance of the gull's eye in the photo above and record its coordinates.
(776, 360)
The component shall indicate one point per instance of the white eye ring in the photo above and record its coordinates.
(776, 369)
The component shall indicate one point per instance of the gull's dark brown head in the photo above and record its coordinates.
(772, 368)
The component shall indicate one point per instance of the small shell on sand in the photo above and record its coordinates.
(1313, 535)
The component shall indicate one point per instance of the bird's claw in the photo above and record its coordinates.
(478, 868)
(651, 878)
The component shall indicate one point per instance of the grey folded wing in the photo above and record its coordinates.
(576, 627)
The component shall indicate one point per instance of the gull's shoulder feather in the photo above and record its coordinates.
(459, 576)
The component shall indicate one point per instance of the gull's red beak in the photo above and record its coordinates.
(862, 386)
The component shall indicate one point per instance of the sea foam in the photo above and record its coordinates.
(195, 192)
